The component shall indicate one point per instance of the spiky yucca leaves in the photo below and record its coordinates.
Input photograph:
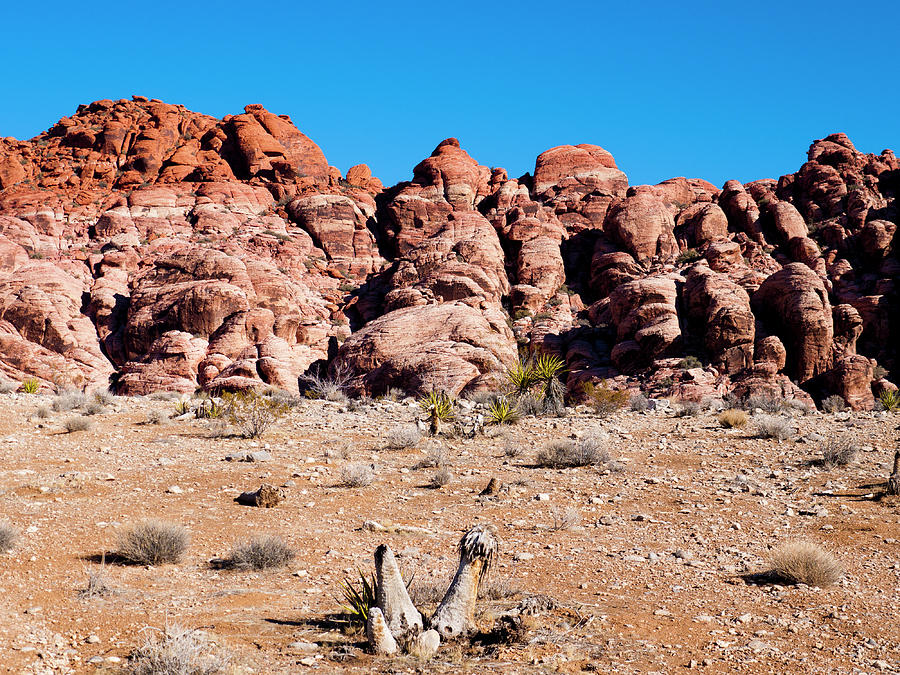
(210, 409)
(501, 411)
(30, 385)
(438, 405)
(522, 376)
(548, 366)
(359, 599)
(889, 399)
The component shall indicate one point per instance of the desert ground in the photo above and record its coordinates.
(649, 562)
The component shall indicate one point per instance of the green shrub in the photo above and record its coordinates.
(604, 400)
(522, 376)
(689, 256)
(690, 362)
(252, 413)
(501, 411)
(359, 598)
(889, 399)
(439, 406)
(31, 385)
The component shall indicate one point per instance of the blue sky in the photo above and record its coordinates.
(715, 90)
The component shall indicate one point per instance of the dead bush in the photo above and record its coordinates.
(327, 386)
(564, 517)
(687, 409)
(157, 417)
(260, 553)
(80, 423)
(357, 474)
(68, 400)
(8, 537)
(802, 562)
(588, 451)
(773, 426)
(401, 438)
(639, 403)
(733, 418)
(838, 451)
(42, 412)
(153, 542)
(436, 457)
(441, 478)
(770, 404)
(177, 651)
(834, 404)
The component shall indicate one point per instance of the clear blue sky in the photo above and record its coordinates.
(715, 90)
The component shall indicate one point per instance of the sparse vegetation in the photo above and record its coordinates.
(359, 598)
(260, 553)
(97, 585)
(564, 517)
(501, 411)
(588, 451)
(687, 409)
(889, 400)
(773, 426)
(639, 403)
(212, 409)
(439, 407)
(879, 372)
(771, 404)
(8, 537)
(689, 362)
(401, 438)
(153, 542)
(522, 376)
(436, 457)
(733, 418)
(42, 412)
(30, 385)
(177, 651)
(68, 400)
(80, 423)
(834, 404)
(604, 400)
(157, 417)
(689, 256)
(252, 413)
(802, 562)
(328, 386)
(838, 451)
(357, 474)
(441, 478)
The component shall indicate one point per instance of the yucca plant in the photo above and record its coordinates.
(359, 599)
(31, 385)
(501, 411)
(182, 407)
(889, 399)
(546, 368)
(210, 409)
(522, 376)
(438, 405)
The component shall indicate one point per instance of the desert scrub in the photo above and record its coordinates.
(359, 598)
(889, 399)
(733, 418)
(604, 400)
(251, 413)
(80, 423)
(689, 256)
(502, 411)
(521, 376)
(42, 412)
(638, 403)
(263, 552)
(30, 385)
(439, 407)
(771, 404)
(588, 451)
(435, 457)
(8, 537)
(69, 400)
(838, 451)
(773, 426)
(357, 474)
(564, 517)
(687, 409)
(689, 362)
(441, 478)
(157, 417)
(153, 542)
(177, 651)
(802, 562)
(401, 438)
(327, 386)
(834, 404)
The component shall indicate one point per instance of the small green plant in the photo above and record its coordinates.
(604, 400)
(689, 256)
(689, 362)
(522, 376)
(31, 385)
(834, 404)
(889, 399)
(211, 409)
(501, 411)
(359, 598)
(522, 314)
(438, 405)
(182, 408)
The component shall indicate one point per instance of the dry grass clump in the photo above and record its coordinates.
(564, 517)
(401, 438)
(260, 553)
(771, 404)
(772, 426)
(96, 584)
(834, 404)
(733, 418)
(435, 458)
(157, 417)
(80, 423)
(357, 474)
(589, 451)
(68, 400)
(639, 403)
(8, 537)
(512, 449)
(153, 542)
(687, 409)
(177, 651)
(42, 412)
(441, 478)
(839, 451)
(327, 386)
(93, 408)
(802, 562)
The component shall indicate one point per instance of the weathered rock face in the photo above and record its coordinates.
(154, 247)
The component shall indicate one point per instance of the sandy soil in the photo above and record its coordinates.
(624, 601)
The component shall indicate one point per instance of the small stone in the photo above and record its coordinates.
(174, 490)
(523, 556)
(307, 661)
(542, 497)
(95, 660)
(113, 659)
(302, 646)
(92, 639)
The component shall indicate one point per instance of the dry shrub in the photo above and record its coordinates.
(157, 417)
(588, 451)
(435, 458)
(153, 542)
(802, 562)
(733, 418)
(839, 451)
(80, 423)
(834, 404)
(251, 413)
(8, 537)
(441, 478)
(604, 400)
(401, 438)
(42, 412)
(68, 400)
(687, 409)
(772, 426)
(260, 553)
(178, 651)
(766, 403)
(357, 474)
(327, 386)
(564, 517)
(639, 403)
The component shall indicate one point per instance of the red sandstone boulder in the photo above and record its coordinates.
(646, 321)
(643, 226)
